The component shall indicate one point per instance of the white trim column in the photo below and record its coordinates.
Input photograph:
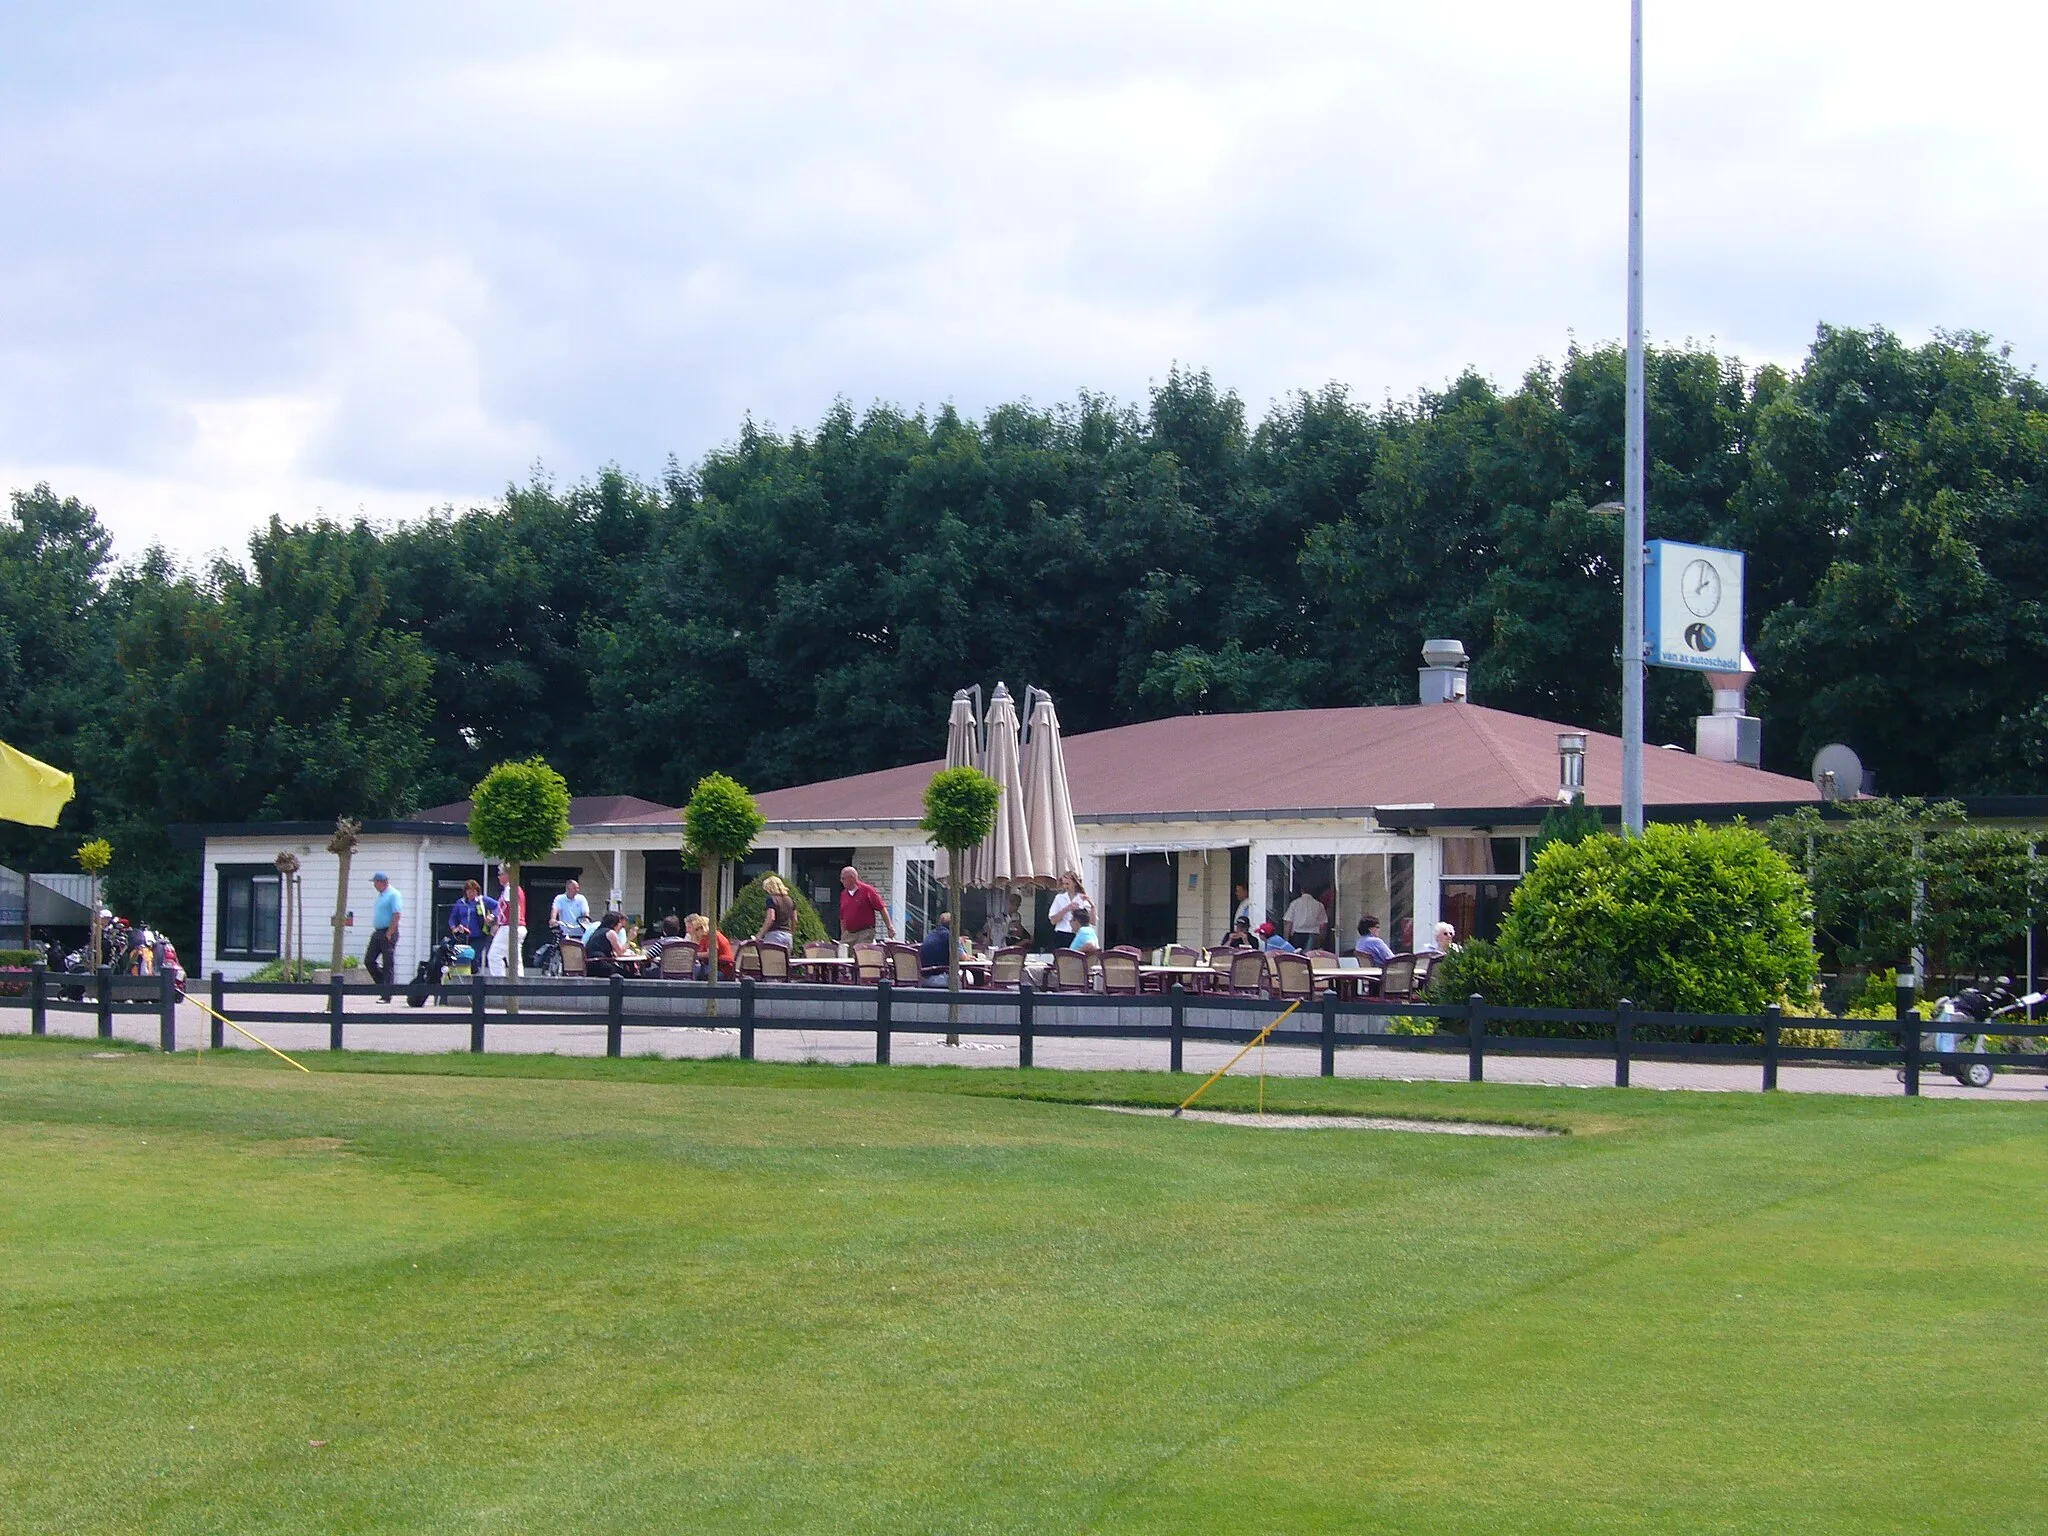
(1429, 890)
(615, 901)
(1255, 878)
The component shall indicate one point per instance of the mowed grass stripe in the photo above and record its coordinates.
(840, 1301)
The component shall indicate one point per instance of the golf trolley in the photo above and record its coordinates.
(1960, 1053)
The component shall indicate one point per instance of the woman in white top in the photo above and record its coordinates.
(1069, 910)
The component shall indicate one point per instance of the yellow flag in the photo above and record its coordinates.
(30, 791)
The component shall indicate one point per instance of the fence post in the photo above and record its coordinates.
(882, 1022)
(336, 1002)
(1771, 1016)
(1023, 1023)
(1330, 1033)
(1909, 1034)
(167, 1012)
(39, 999)
(217, 1033)
(1178, 1028)
(615, 1017)
(103, 982)
(1475, 1036)
(746, 1018)
(476, 1011)
(1624, 1037)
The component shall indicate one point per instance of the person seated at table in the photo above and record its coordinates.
(1443, 942)
(671, 933)
(1240, 935)
(1086, 939)
(934, 955)
(604, 946)
(1272, 938)
(698, 926)
(1371, 949)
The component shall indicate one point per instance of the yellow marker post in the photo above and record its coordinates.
(1258, 1039)
(231, 1024)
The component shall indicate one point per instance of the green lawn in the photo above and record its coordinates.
(566, 1296)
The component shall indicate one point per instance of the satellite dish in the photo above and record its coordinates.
(1837, 772)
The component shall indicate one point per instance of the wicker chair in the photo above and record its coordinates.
(821, 949)
(903, 967)
(1248, 973)
(746, 957)
(1120, 973)
(1425, 965)
(574, 962)
(1294, 977)
(870, 961)
(678, 960)
(774, 962)
(1397, 979)
(1006, 967)
(1069, 970)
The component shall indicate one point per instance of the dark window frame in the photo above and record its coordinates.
(226, 875)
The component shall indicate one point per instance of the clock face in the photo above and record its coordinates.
(1701, 585)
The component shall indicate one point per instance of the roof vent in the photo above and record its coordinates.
(1442, 676)
(1730, 734)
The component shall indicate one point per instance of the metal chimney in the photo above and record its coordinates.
(1442, 676)
(1571, 766)
(1729, 735)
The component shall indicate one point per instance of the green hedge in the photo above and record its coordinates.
(14, 957)
(742, 920)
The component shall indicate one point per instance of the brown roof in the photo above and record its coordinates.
(584, 811)
(1450, 756)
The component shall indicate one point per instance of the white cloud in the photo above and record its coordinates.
(371, 256)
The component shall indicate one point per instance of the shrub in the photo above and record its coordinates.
(742, 920)
(19, 959)
(1682, 919)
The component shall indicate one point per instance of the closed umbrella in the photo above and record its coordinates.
(1006, 854)
(963, 750)
(1048, 807)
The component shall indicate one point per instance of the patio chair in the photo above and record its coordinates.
(870, 961)
(1180, 954)
(1248, 973)
(678, 960)
(1397, 979)
(1293, 977)
(903, 967)
(1069, 970)
(774, 962)
(746, 957)
(821, 949)
(1006, 967)
(1425, 965)
(1120, 973)
(573, 960)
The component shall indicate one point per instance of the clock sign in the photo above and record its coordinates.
(1693, 603)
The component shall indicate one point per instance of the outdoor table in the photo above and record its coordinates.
(1349, 980)
(1196, 978)
(631, 961)
(828, 967)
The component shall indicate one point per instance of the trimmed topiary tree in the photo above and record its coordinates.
(347, 835)
(959, 812)
(742, 919)
(1572, 823)
(1683, 919)
(719, 825)
(94, 856)
(518, 812)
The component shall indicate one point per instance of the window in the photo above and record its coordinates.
(245, 922)
(1479, 879)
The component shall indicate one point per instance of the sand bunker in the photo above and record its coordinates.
(1335, 1122)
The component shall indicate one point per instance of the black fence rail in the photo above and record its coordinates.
(1473, 1027)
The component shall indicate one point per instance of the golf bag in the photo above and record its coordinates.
(426, 981)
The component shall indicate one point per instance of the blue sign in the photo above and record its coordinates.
(1692, 607)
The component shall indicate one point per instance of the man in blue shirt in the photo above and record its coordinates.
(1271, 938)
(380, 955)
(570, 912)
(935, 954)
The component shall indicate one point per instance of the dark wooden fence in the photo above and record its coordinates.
(1472, 1027)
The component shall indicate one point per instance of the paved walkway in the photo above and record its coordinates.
(447, 1029)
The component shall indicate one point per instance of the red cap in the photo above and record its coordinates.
(1266, 930)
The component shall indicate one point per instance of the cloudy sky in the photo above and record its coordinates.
(374, 256)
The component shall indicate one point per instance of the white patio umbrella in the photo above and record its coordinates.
(1006, 854)
(1048, 808)
(963, 750)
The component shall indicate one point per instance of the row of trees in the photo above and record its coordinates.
(802, 605)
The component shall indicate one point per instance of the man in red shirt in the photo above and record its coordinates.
(860, 907)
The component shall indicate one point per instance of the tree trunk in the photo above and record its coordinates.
(98, 928)
(953, 948)
(340, 911)
(285, 893)
(512, 920)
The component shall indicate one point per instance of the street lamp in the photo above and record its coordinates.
(1631, 657)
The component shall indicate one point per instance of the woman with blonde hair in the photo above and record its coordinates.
(698, 926)
(1069, 910)
(778, 923)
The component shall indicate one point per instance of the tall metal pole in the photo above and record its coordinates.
(1632, 472)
